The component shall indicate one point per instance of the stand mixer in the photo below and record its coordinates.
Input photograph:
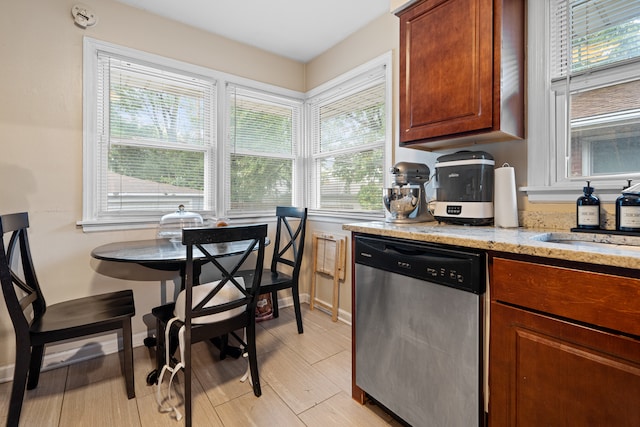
(406, 199)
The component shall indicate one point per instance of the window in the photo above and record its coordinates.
(155, 134)
(263, 143)
(150, 137)
(590, 41)
(348, 130)
(593, 87)
(159, 133)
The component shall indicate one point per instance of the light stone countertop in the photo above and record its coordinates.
(515, 240)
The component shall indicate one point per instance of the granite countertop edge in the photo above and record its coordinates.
(510, 240)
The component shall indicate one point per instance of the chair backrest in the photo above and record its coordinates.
(289, 244)
(249, 264)
(20, 287)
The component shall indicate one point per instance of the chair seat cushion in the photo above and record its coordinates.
(82, 313)
(228, 293)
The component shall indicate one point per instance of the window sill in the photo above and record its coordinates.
(120, 224)
(343, 217)
(123, 224)
(117, 225)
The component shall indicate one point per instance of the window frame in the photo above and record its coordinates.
(350, 82)
(547, 133)
(91, 221)
(297, 105)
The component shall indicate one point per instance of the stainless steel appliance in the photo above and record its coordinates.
(464, 188)
(419, 330)
(406, 200)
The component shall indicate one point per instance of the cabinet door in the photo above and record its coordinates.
(446, 68)
(547, 372)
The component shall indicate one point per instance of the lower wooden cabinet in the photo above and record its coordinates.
(551, 370)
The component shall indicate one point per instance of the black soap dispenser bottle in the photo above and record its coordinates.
(628, 209)
(588, 209)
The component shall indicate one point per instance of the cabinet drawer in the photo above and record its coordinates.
(604, 300)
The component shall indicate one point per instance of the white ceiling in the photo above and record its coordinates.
(295, 29)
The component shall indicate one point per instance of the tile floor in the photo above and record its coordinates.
(306, 381)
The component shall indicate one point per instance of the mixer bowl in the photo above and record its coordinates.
(401, 201)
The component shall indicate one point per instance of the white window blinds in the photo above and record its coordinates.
(156, 137)
(262, 150)
(348, 136)
(592, 34)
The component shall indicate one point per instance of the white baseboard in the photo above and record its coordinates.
(99, 345)
(324, 306)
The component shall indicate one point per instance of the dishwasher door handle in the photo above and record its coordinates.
(369, 249)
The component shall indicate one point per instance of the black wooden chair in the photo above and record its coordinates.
(287, 253)
(218, 308)
(37, 323)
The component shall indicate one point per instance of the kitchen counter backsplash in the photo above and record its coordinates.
(526, 241)
(546, 220)
(562, 221)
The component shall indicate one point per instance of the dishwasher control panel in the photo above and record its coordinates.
(445, 265)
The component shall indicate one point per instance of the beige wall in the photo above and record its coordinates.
(377, 38)
(373, 40)
(41, 133)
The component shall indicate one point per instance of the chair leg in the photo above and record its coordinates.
(128, 358)
(37, 353)
(224, 345)
(187, 383)
(253, 358)
(274, 303)
(296, 306)
(20, 373)
(160, 347)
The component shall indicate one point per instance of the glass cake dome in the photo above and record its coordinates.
(171, 225)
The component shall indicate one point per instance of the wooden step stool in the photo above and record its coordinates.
(330, 259)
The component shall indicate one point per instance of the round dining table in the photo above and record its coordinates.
(167, 255)
(163, 254)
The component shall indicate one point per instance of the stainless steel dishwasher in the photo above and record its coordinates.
(419, 330)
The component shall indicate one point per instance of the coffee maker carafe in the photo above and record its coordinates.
(406, 200)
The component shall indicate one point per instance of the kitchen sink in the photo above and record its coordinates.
(611, 241)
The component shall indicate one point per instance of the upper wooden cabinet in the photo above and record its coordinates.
(461, 72)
